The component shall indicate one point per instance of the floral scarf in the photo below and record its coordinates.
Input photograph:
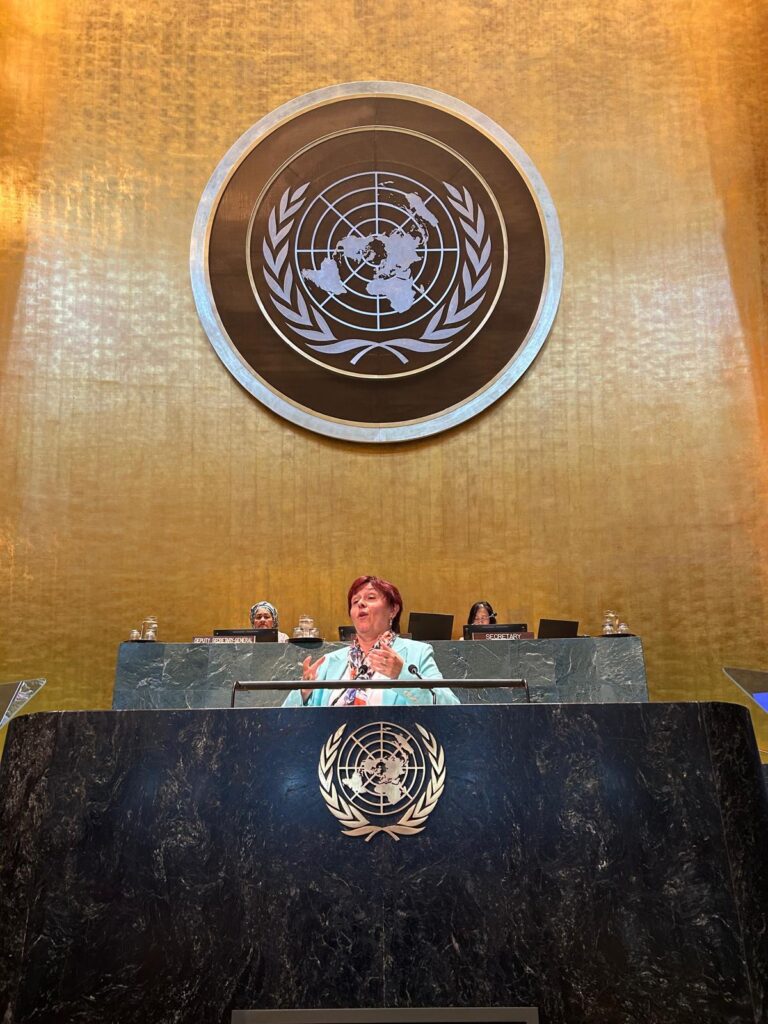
(359, 669)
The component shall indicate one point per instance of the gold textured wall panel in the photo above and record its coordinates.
(629, 468)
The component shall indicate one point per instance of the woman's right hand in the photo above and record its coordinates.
(309, 674)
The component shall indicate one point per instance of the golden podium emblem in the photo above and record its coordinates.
(379, 772)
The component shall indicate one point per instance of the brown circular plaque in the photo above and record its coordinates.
(376, 261)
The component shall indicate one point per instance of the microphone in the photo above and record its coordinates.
(415, 672)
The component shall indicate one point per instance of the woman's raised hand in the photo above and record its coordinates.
(309, 674)
(386, 662)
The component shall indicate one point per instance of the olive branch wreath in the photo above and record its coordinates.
(310, 324)
(355, 823)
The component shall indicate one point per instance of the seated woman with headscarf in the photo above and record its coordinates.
(264, 616)
(377, 653)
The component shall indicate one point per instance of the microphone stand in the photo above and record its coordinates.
(415, 672)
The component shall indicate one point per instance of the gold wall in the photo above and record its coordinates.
(629, 468)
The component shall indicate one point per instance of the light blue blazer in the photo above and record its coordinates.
(413, 652)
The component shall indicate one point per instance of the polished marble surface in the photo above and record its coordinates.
(580, 670)
(605, 863)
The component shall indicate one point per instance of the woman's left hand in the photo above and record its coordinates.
(386, 662)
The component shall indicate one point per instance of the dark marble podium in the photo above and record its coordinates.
(606, 863)
(581, 670)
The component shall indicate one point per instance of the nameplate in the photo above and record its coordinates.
(401, 1015)
(223, 639)
(502, 636)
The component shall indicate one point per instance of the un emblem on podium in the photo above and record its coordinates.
(379, 772)
(376, 261)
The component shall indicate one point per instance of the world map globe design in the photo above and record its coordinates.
(377, 250)
(381, 768)
(376, 262)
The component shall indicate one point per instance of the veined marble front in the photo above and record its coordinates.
(583, 670)
(604, 862)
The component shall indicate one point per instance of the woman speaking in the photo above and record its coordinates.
(377, 653)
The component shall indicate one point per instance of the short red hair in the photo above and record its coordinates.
(385, 588)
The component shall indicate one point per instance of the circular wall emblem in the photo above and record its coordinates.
(376, 261)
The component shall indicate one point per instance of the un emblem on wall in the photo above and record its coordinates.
(379, 772)
(378, 265)
(376, 261)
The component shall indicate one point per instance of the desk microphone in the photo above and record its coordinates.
(415, 672)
